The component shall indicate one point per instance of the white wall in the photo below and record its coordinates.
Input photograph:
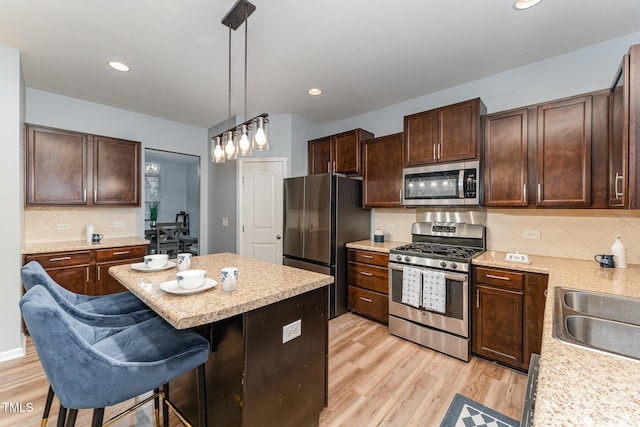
(49, 109)
(11, 194)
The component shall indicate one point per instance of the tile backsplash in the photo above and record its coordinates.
(569, 233)
(47, 224)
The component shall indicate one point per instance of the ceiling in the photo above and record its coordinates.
(363, 54)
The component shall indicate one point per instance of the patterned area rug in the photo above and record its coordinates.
(465, 412)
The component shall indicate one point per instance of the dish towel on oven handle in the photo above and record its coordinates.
(434, 291)
(411, 286)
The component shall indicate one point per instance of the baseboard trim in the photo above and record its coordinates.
(16, 352)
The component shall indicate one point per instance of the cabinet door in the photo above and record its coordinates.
(55, 166)
(420, 138)
(319, 152)
(382, 176)
(497, 326)
(116, 172)
(77, 279)
(505, 163)
(106, 283)
(564, 153)
(458, 131)
(346, 153)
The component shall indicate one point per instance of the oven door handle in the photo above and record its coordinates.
(451, 276)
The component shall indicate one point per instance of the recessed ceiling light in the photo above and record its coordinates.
(314, 91)
(525, 4)
(118, 66)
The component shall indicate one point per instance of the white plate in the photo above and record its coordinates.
(173, 287)
(141, 267)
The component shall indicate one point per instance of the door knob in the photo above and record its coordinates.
(278, 237)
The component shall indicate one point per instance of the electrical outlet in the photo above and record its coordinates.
(389, 226)
(118, 224)
(291, 331)
(531, 234)
(225, 221)
(64, 226)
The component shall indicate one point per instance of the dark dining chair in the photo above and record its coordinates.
(167, 239)
(92, 367)
(186, 240)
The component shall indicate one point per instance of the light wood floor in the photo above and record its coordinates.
(374, 379)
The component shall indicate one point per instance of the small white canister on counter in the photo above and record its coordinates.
(378, 236)
(619, 252)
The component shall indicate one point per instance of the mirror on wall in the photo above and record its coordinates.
(172, 194)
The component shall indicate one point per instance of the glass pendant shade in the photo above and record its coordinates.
(244, 143)
(230, 148)
(261, 134)
(217, 152)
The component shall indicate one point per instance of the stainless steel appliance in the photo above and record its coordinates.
(526, 420)
(450, 184)
(322, 213)
(445, 249)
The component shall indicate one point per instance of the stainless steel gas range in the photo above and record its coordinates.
(429, 285)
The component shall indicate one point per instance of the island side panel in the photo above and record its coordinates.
(287, 384)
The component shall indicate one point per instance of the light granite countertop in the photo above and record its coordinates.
(259, 284)
(370, 245)
(80, 245)
(577, 386)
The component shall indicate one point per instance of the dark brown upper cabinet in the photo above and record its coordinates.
(445, 134)
(340, 153)
(382, 172)
(68, 168)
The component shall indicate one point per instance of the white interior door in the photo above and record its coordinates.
(261, 208)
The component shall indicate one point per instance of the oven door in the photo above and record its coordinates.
(455, 320)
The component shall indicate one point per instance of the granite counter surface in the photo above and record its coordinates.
(80, 245)
(577, 386)
(259, 284)
(370, 245)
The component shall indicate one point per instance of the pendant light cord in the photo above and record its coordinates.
(246, 28)
(229, 110)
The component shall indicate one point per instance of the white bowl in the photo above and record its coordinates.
(191, 279)
(156, 261)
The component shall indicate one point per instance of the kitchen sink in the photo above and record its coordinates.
(598, 321)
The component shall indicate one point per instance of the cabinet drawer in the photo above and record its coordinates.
(370, 304)
(504, 278)
(60, 259)
(367, 257)
(115, 254)
(369, 277)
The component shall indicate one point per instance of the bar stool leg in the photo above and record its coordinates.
(62, 416)
(98, 417)
(156, 406)
(71, 419)
(165, 408)
(202, 395)
(47, 407)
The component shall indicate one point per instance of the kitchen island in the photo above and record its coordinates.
(578, 386)
(259, 371)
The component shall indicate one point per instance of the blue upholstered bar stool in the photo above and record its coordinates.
(116, 310)
(94, 367)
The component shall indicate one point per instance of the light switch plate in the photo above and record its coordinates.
(517, 257)
(291, 331)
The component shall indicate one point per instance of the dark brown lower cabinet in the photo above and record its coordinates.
(507, 315)
(368, 279)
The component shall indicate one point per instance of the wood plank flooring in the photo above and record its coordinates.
(374, 379)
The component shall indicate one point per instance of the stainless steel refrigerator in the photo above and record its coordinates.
(321, 214)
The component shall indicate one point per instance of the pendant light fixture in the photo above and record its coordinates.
(253, 133)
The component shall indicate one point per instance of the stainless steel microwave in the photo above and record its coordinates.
(444, 184)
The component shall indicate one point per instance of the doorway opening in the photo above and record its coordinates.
(172, 189)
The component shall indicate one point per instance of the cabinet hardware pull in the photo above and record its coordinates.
(95, 195)
(84, 194)
(328, 166)
(367, 256)
(477, 298)
(493, 276)
(62, 258)
(545, 293)
(87, 274)
(400, 195)
(366, 299)
(99, 273)
(524, 192)
(434, 152)
(334, 166)
(364, 273)
(619, 194)
(439, 151)
(121, 253)
(539, 193)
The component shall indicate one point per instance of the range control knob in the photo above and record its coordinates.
(399, 257)
(443, 264)
(454, 265)
(407, 259)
